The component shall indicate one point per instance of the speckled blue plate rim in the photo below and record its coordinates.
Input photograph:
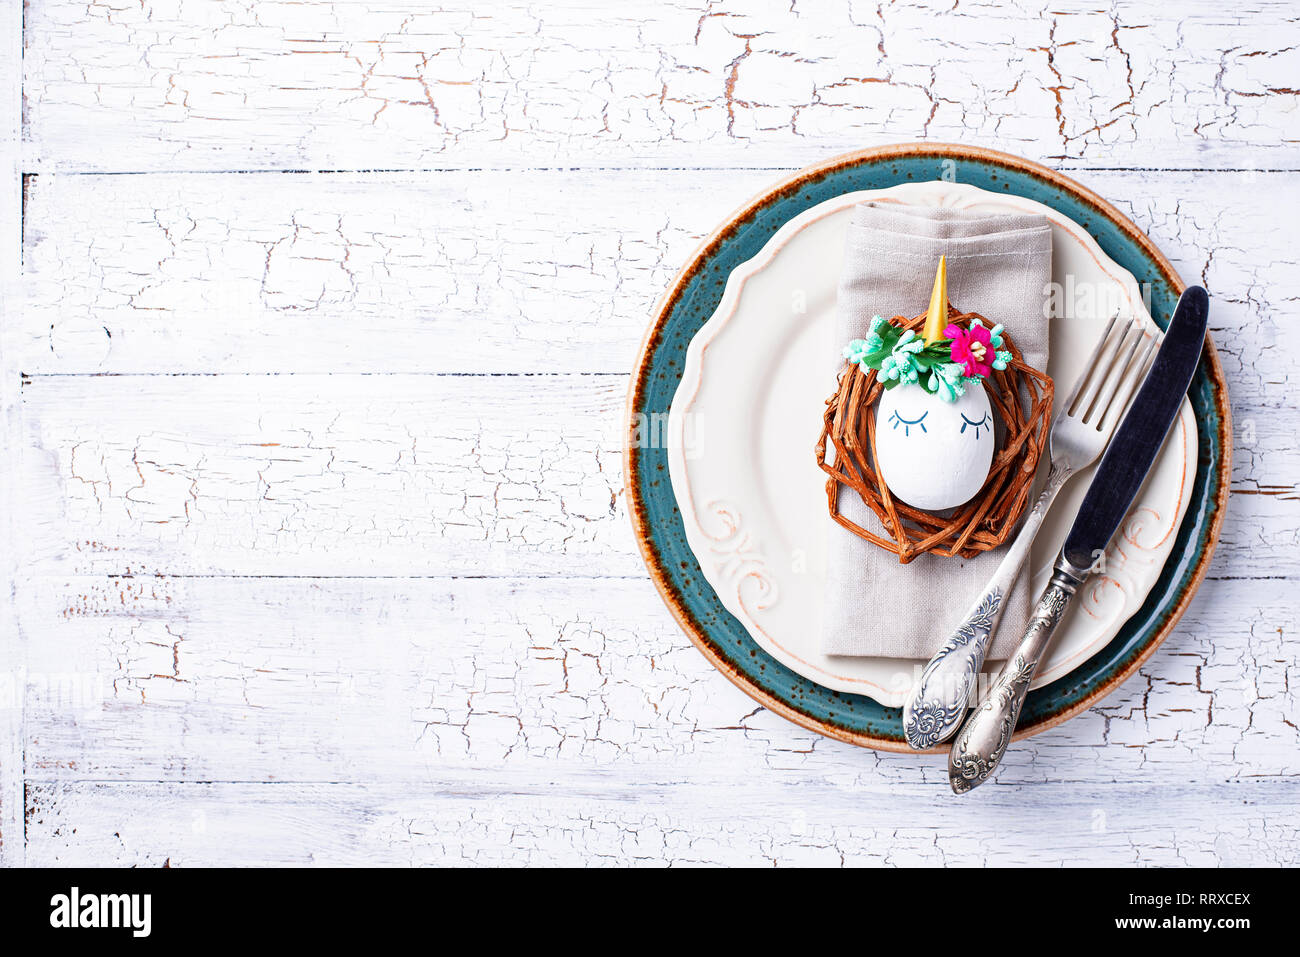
(693, 297)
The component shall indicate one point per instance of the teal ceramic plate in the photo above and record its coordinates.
(694, 296)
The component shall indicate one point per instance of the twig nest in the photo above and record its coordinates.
(991, 437)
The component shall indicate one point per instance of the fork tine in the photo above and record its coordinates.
(1133, 377)
(1115, 375)
(1099, 366)
(1087, 369)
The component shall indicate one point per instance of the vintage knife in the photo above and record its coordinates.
(983, 739)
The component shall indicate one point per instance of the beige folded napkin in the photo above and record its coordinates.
(999, 266)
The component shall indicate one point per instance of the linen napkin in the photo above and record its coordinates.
(999, 265)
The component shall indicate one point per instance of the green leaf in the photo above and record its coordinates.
(927, 360)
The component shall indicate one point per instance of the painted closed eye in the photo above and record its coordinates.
(981, 423)
(897, 421)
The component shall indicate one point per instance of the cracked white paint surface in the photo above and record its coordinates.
(167, 84)
(525, 272)
(319, 546)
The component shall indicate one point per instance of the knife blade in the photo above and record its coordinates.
(1133, 449)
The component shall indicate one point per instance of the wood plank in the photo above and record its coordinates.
(310, 475)
(403, 475)
(489, 272)
(445, 272)
(506, 683)
(165, 85)
(156, 825)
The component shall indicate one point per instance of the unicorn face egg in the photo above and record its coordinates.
(933, 454)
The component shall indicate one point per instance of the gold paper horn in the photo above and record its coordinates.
(936, 318)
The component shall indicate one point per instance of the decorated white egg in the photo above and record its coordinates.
(933, 454)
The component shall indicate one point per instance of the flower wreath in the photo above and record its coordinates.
(945, 367)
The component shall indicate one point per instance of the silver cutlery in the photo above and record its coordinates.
(983, 739)
(1087, 418)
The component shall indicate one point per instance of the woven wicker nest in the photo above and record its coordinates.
(1021, 399)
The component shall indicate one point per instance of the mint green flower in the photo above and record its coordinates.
(895, 367)
(1001, 358)
(875, 341)
(908, 342)
(901, 364)
(948, 381)
(857, 351)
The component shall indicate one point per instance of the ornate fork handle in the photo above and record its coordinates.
(936, 703)
(983, 739)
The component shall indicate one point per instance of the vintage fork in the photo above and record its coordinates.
(1086, 420)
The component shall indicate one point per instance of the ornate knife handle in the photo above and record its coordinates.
(935, 705)
(983, 739)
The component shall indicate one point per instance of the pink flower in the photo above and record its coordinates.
(972, 348)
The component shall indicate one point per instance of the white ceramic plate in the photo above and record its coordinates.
(747, 413)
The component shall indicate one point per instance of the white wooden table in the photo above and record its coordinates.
(318, 322)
